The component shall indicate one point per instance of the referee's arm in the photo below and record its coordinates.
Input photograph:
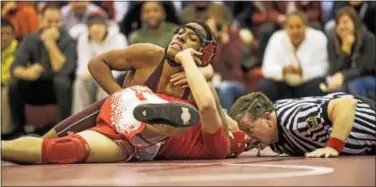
(341, 112)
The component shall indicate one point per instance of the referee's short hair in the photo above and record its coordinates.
(256, 104)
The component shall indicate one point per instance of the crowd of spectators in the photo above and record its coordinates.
(300, 48)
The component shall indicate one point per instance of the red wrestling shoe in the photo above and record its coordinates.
(173, 113)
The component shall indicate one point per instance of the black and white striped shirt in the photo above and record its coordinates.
(303, 126)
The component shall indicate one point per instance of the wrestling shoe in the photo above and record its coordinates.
(174, 113)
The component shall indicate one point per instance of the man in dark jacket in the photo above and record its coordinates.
(42, 69)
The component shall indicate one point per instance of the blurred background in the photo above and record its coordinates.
(286, 49)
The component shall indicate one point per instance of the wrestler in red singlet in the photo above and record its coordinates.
(117, 122)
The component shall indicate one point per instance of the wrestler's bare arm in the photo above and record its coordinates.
(201, 92)
(232, 124)
(207, 71)
(135, 56)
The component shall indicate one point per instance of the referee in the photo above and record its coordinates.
(325, 126)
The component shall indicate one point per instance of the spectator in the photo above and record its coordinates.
(8, 50)
(99, 38)
(274, 17)
(295, 60)
(108, 7)
(42, 68)
(327, 8)
(132, 20)
(41, 4)
(313, 11)
(121, 8)
(154, 28)
(76, 12)
(241, 11)
(79, 29)
(195, 10)
(229, 55)
(351, 51)
(366, 11)
(23, 15)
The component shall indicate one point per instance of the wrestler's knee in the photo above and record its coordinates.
(69, 149)
(105, 149)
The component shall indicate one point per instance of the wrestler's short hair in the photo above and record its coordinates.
(209, 33)
(256, 104)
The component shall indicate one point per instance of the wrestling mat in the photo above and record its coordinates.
(247, 170)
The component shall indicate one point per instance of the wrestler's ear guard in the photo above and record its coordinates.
(208, 51)
(208, 46)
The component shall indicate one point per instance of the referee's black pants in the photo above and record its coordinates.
(280, 90)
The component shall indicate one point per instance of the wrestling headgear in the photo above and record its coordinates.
(208, 44)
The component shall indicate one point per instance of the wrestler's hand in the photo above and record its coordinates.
(238, 143)
(323, 152)
(183, 54)
(179, 79)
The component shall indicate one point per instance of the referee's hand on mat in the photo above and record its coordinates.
(323, 152)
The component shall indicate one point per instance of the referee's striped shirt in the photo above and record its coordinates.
(303, 126)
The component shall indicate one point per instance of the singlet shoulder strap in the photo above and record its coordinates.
(186, 94)
(153, 81)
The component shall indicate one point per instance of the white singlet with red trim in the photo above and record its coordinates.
(123, 104)
(125, 101)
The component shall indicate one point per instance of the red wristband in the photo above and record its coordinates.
(336, 144)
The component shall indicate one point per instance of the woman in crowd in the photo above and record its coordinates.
(351, 50)
(98, 38)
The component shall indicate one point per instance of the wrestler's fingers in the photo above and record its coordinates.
(177, 78)
(178, 74)
(180, 82)
(185, 86)
(197, 60)
(196, 53)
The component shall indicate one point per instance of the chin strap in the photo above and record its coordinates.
(169, 61)
(172, 63)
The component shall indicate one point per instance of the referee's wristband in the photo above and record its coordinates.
(336, 144)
